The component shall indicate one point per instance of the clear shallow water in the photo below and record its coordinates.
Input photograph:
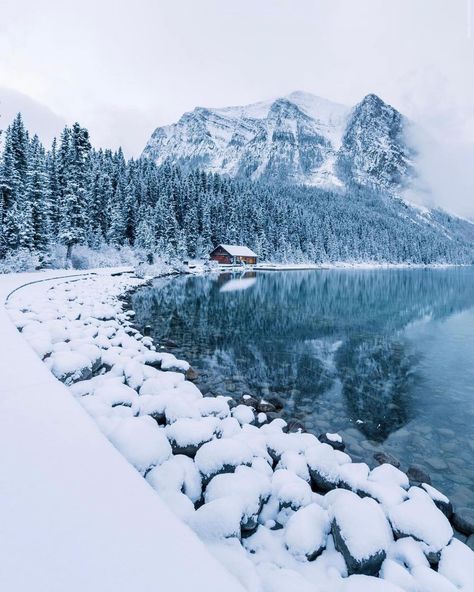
(384, 357)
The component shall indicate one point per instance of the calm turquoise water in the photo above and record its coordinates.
(386, 358)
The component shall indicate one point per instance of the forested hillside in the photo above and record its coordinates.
(72, 194)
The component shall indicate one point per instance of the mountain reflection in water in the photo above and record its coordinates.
(336, 345)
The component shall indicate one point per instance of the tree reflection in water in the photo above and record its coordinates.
(324, 340)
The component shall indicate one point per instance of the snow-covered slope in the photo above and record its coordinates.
(300, 138)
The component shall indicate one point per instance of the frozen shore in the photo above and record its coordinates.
(282, 511)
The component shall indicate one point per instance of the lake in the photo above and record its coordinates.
(384, 357)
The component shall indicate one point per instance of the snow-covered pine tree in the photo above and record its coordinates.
(38, 197)
(16, 211)
(74, 161)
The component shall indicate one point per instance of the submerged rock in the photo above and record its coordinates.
(276, 401)
(386, 457)
(418, 476)
(249, 400)
(191, 374)
(295, 426)
(438, 464)
(463, 520)
(265, 406)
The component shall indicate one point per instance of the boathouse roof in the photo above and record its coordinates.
(237, 250)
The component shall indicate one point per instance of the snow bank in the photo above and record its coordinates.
(76, 516)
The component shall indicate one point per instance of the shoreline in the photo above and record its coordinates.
(273, 405)
(200, 424)
(343, 265)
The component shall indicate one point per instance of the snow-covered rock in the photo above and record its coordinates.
(171, 362)
(296, 463)
(251, 486)
(142, 442)
(290, 490)
(419, 518)
(407, 551)
(399, 575)
(70, 366)
(216, 406)
(187, 435)
(243, 414)
(362, 583)
(429, 580)
(306, 532)
(218, 519)
(361, 533)
(334, 440)
(440, 500)
(115, 393)
(222, 456)
(457, 565)
(389, 475)
(160, 383)
(178, 474)
(323, 467)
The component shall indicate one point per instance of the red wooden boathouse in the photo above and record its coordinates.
(232, 254)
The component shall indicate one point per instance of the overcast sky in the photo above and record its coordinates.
(122, 68)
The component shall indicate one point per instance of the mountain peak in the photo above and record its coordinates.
(298, 138)
(372, 99)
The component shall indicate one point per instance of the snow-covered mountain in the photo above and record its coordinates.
(298, 139)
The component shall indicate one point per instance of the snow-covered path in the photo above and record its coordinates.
(74, 514)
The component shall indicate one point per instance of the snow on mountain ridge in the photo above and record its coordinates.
(298, 139)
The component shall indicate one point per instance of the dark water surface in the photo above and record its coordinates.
(384, 357)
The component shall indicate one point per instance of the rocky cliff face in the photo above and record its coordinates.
(374, 149)
(298, 139)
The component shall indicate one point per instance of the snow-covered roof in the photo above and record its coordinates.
(238, 250)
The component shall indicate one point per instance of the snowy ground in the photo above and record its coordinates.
(281, 511)
(74, 515)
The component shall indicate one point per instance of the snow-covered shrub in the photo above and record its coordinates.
(159, 266)
(57, 256)
(83, 257)
(20, 260)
